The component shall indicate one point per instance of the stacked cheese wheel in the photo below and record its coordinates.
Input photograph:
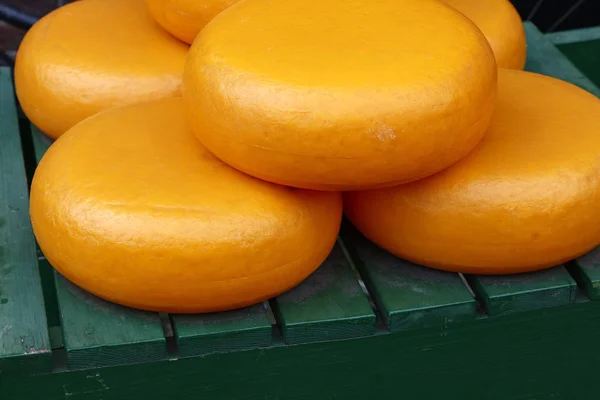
(211, 177)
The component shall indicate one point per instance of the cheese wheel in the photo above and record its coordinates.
(92, 55)
(502, 26)
(131, 207)
(185, 18)
(527, 198)
(340, 94)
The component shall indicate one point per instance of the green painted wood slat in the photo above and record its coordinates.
(328, 305)
(24, 340)
(543, 354)
(199, 334)
(574, 35)
(524, 292)
(409, 296)
(99, 333)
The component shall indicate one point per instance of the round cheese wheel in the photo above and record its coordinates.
(502, 26)
(185, 18)
(131, 207)
(340, 94)
(92, 55)
(527, 198)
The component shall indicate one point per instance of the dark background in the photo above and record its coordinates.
(547, 15)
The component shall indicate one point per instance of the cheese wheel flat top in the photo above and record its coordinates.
(528, 197)
(91, 55)
(131, 207)
(340, 94)
(502, 26)
(185, 18)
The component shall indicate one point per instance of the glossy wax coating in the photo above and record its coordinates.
(340, 94)
(131, 207)
(502, 26)
(185, 18)
(527, 198)
(92, 55)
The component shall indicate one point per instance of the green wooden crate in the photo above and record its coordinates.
(364, 325)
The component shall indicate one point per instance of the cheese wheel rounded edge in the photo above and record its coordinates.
(502, 26)
(526, 198)
(185, 18)
(274, 91)
(131, 207)
(91, 55)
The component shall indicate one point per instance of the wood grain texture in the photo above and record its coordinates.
(241, 329)
(24, 340)
(507, 294)
(543, 354)
(98, 333)
(328, 305)
(544, 58)
(409, 296)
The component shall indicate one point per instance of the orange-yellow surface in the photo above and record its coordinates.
(92, 55)
(131, 207)
(528, 197)
(185, 18)
(340, 94)
(502, 26)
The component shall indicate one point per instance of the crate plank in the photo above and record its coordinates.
(98, 333)
(407, 295)
(199, 334)
(328, 305)
(574, 35)
(586, 270)
(24, 340)
(505, 294)
(544, 58)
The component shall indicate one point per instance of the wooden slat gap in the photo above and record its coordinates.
(381, 318)
(359, 278)
(169, 332)
(27, 150)
(585, 286)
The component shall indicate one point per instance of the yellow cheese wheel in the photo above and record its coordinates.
(340, 94)
(92, 55)
(502, 26)
(131, 207)
(527, 198)
(185, 18)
